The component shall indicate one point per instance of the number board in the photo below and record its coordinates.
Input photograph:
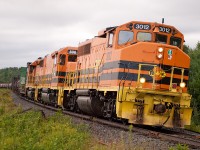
(72, 52)
(142, 26)
(164, 29)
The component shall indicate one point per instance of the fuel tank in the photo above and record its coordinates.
(48, 97)
(90, 105)
(45, 97)
(31, 94)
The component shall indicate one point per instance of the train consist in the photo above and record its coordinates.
(136, 72)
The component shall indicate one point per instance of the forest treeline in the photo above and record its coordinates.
(194, 80)
(6, 74)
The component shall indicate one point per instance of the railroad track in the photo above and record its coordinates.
(191, 140)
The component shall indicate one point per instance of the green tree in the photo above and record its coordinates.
(194, 82)
(6, 74)
(186, 49)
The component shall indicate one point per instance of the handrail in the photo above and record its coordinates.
(139, 74)
(154, 74)
(98, 69)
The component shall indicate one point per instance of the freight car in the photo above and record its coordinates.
(137, 72)
(19, 82)
(15, 84)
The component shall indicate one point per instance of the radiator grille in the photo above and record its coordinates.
(84, 50)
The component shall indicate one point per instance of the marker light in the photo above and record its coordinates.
(182, 84)
(142, 80)
(160, 49)
(159, 56)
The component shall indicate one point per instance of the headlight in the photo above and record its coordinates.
(142, 80)
(182, 84)
(160, 49)
(159, 56)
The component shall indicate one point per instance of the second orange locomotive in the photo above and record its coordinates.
(135, 72)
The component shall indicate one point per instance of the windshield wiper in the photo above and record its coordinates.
(127, 41)
(133, 43)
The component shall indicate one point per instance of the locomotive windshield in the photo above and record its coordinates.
(144, 36)
(161, 38)
(62, 59)
(72, 58)
(124, 37)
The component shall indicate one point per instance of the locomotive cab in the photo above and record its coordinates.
(152, 73)
(47, 76)
(63, 61)
(137, 72)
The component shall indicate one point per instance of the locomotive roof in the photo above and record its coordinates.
(102, 33)
(153, 25)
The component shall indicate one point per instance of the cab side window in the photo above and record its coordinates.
(62, 59)
(41, 63)
(175, 41)
(110, 40)
(55, 60)
(31, 69)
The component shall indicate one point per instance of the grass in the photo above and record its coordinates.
(195, 123)
(6, 104)
(179, 147)
(193, 127)
(30, 130)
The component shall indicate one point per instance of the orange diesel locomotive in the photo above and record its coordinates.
(136, 72)
(46, 76)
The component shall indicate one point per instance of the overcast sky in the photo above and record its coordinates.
(33, 28)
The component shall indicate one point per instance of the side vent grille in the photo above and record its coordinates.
(84, 50)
